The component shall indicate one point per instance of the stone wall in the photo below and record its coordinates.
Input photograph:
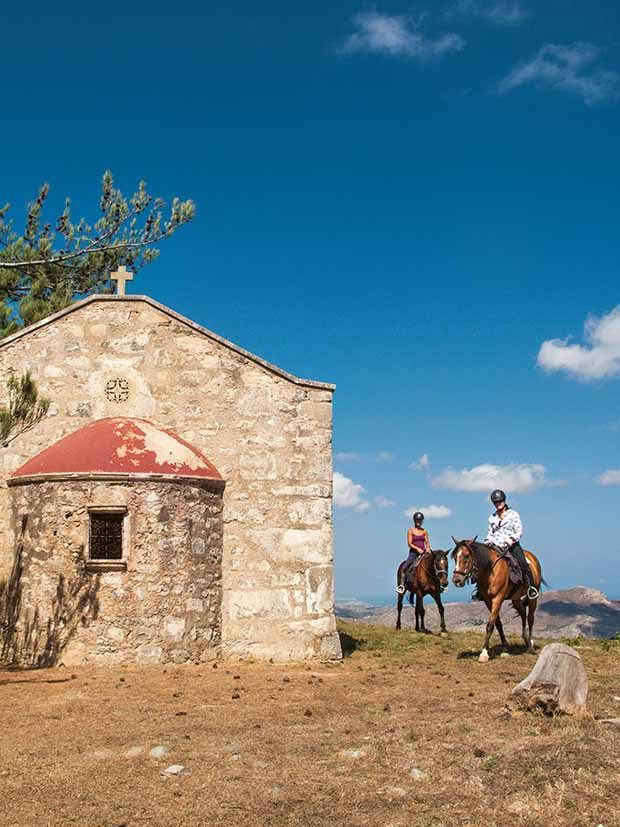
(268, 433)
(166, 606)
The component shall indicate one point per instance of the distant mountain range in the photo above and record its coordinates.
(561, 613)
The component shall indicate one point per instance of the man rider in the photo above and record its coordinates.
(504, 533)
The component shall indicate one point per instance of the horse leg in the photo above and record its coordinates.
(530, 622)
(494, 605)
(417, 611)
(420, 602)
(520, 609)
(399, 608)
(500, 629)
(437, 599)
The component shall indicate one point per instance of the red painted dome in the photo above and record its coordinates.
(120, 446)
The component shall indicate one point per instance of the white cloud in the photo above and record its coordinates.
(500, 12)
(420, 464)
(384, 502)
(347, 456)
(513, 477)
(567, 68)
(611, 477)
(348, 494)
(385, 456)
(397, 36)
(431, 512)
(599, 358)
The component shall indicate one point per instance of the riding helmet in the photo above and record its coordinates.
(498, 496)
(418, 517)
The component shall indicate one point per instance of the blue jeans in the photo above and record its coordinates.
(410, 563)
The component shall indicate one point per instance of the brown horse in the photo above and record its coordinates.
(492, 573)
(430, 576)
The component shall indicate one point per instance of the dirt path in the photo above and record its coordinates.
(267, 744)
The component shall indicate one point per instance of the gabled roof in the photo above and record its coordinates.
(118, 447)
(310, 383)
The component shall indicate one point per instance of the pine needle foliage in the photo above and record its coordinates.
(52, 264)
(24, 408)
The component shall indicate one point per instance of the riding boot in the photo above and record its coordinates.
(402, 579)
(531, 592)
(405, 571)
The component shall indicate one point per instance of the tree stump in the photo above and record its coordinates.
(557, 683)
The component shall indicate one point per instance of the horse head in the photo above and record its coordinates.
(440, 562)
(463, 556)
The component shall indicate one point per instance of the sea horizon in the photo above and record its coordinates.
(462, 596)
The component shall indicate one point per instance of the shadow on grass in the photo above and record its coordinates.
(494, 651)
(350, 644)
(6, 682)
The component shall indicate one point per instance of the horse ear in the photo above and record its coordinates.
(475, 538)
(454, 540)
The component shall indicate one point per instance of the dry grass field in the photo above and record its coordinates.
(269, 744)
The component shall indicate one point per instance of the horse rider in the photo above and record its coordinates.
(418, 542)
(505, 530)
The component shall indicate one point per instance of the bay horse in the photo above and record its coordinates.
(430, 576)
(492, 572)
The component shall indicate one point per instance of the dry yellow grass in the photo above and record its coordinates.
(267, 744)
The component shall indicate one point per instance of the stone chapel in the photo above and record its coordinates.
(175, 504)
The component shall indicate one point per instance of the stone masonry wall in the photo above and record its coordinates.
(270, 438)
(165, 607)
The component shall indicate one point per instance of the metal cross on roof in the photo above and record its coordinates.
(121, 276)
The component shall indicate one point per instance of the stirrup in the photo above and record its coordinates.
(400, 589)
(532, 593)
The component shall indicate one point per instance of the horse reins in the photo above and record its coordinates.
(472, 571)
(437, 572)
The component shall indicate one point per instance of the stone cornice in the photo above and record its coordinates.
(309, 383)
(203, 482)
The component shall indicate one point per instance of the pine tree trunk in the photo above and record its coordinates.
(557, 683)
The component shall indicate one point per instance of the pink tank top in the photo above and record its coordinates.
(419, 541)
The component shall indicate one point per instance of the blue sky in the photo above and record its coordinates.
(407, 200)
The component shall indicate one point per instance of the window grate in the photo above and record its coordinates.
(106, 536)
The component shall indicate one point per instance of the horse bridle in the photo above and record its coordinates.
(437, 572)
(466, 575)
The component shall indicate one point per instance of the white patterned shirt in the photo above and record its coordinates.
(504, 531)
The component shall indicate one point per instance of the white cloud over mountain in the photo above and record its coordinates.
(348, 494)
(568, 69)
(598, 358)
(431, 512)
(511, 478)
(397, 36)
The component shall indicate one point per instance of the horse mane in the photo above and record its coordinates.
(481, 556)
(480, 551)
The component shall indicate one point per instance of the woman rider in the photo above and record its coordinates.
(418, 542)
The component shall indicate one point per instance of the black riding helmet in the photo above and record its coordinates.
(418, 517)
(498, 496)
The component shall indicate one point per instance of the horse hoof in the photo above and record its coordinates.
(505, 655)
(443, 634)
(484, 658)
